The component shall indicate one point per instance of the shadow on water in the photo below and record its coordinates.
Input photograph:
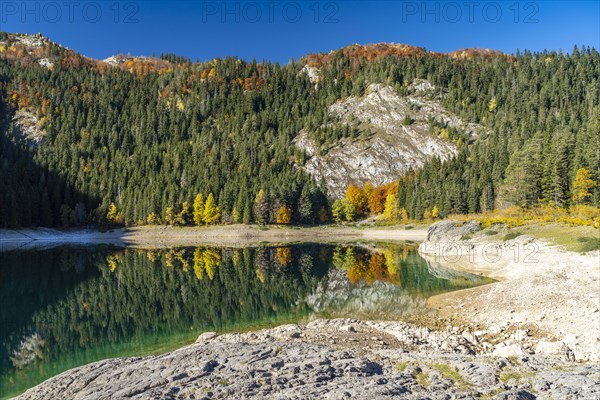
(68, 306)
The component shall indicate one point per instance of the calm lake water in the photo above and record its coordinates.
(68, 306)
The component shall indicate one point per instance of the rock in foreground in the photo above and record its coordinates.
(326, 359)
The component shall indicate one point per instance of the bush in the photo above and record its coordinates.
(512, 235)
(588, 244)
(490, 232)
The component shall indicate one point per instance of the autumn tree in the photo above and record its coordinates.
(153, 219)
(113, 216)
(184, 215)
(582, 184)
(391, 208)
(284, 215)
(376, 199)
(199, 209)
(170, 216)
(212, 213)
(235, 215)
(356, 197)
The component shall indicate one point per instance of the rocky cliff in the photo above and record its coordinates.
(400, 136)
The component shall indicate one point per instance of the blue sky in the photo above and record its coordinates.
(278, 30)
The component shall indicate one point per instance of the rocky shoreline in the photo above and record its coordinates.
(333, 359)
(542, 288)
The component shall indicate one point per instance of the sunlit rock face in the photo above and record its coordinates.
(388, 145)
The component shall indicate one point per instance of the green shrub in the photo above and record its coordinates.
(512, 235)
(588, 244)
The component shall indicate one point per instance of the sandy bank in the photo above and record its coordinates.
(227, 235)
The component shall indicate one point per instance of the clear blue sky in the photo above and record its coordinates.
(278, 30)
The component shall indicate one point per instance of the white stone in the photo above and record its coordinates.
(549, 348)
(512, 350)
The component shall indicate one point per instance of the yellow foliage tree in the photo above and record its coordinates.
(198, 209)
(367, 190)
(283, 215)
(152, 219)
(492, 105)
(435, 212)
(113, 215)
(235, 214)
(356, 197)
(212, 213)
(284, 255)
(582, 185)
(169, 216)
(184, 215)
(390, 212)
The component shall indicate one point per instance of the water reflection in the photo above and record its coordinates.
(65, 307)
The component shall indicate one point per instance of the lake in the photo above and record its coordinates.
(67, 306)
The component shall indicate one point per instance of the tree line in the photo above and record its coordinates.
(137, 147)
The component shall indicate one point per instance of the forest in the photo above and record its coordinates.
(169, 141)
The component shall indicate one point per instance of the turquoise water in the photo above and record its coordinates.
(69, 306)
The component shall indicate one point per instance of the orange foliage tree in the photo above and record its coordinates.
(283, 215)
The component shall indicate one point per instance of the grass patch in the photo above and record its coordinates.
(452, 374)
(514, 361)
(588, 244)
(263, 228)
(422, 378)
(407, 227)
(468, 236)
(512, 235)
(517, 376)
(490, 232)
(563, 235)
(401, 366)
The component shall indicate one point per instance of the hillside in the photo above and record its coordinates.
(136, 140)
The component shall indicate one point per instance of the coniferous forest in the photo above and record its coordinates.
(168, 140)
